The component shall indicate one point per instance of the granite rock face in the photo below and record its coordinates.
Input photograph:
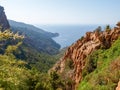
(3, 19)
(78, 52)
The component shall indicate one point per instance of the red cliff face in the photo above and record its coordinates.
(81, 49)
(118, 87)
(3, 19)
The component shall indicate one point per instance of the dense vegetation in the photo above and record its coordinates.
(15, 74)
(41, 61)
(102, 69)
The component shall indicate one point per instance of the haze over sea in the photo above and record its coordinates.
(68, 34)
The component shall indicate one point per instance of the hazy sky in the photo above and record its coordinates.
(63, 11)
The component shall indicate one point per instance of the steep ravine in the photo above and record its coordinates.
(78, 52)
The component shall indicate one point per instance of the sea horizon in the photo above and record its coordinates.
(68, 34)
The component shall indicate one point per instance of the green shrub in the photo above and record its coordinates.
(106, 74)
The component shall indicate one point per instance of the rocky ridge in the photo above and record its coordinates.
(78, 52)
(3, 19)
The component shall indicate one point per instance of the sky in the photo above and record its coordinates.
(63, 11)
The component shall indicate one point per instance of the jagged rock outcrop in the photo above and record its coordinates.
(3, 19)
(118, 87)
(78, 52)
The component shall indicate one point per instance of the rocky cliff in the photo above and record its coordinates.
(76, 54)
(3, 19)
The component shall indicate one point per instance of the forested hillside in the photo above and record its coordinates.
(36, 38)
(15, 74)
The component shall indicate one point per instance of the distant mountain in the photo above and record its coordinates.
(3, 19)
(36, 38)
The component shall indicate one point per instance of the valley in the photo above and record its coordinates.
(59, 46)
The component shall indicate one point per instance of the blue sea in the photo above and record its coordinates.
(68, 34)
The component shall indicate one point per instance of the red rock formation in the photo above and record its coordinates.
(118, 87)
(82, 48)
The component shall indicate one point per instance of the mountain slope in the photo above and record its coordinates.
(36, 38)
(36, 47)
(102, 69)
(73, 62)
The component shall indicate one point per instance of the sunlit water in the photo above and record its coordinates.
(68, 34)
